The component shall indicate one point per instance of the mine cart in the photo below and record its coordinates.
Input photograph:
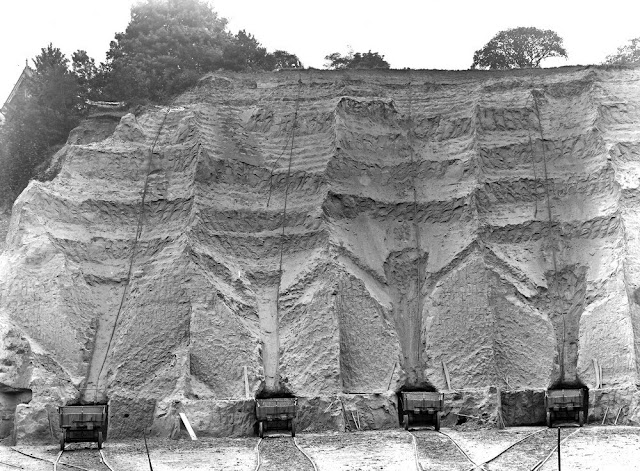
(422, 407)
(276, 414)
(565, 404)
(83, 424)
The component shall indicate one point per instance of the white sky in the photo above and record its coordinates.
(431, 34)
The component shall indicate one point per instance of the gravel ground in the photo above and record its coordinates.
(528, 453)
(281, 454)
(437, 453)
(360, 451)
(590, 449)
(482, 445)
(228, 454)
(84, 455)
(10, 458)
(599, 448)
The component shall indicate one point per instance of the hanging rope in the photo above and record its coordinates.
(286, 196)
(414, 172)
(273, 167)
(139, 227)
(536, 110)
(533, 164)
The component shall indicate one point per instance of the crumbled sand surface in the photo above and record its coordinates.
(589, 448)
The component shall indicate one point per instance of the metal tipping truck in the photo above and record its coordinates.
(567, 404)
(278, 413)
(419, 406)
(83, 424)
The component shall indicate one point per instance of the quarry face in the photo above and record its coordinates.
(337, 236)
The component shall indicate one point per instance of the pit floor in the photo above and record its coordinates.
(590, 448)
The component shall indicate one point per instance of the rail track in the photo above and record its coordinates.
(441, 446)
(539, 446)
(86, 455)
(78, 458)
(271, 459)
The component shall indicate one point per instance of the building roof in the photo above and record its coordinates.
(26, 74)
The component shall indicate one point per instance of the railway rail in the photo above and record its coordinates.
(85, 454)
(284, 447)
(418, 437)
(61, 466)
(537, 441)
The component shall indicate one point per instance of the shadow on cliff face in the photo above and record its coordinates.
(9, 400)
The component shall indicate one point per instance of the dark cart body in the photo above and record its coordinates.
(83, 424)
(278, 413)
(422, 407)
(567, 404)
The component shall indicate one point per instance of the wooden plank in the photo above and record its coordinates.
(500, 418)
(391, 377)
(186, 423)
(246, 383)
(446, 375)
(601, 377)
(597, 371)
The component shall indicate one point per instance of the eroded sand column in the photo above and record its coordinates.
(267, 299)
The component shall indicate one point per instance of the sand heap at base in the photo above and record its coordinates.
(486, 222)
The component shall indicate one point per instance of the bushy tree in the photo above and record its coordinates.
(358, 60)
(40, 122)
(167, 45)
(245, 53)
(627, 54)
(286, 60)
(86, 72)
(523, 47)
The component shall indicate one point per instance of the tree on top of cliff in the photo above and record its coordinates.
(86, 72)
(40, 123)
(244, 52)
(627, 54)
(519, 48)
(358, 60)
(167, 45)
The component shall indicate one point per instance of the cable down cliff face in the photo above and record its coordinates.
(483, 224)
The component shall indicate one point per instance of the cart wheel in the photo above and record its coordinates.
(261, 429)
(437, 421)
(581, 418)
(62, 440)
(549, 418)
(99, 440)
(293, 427)
(406, 421)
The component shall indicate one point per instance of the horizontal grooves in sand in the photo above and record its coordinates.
(378, 160)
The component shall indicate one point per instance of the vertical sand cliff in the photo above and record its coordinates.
(486, 222)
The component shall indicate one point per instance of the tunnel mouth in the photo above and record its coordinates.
(82, 400)
(281, 392)
(274, 395)
(567, 385)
